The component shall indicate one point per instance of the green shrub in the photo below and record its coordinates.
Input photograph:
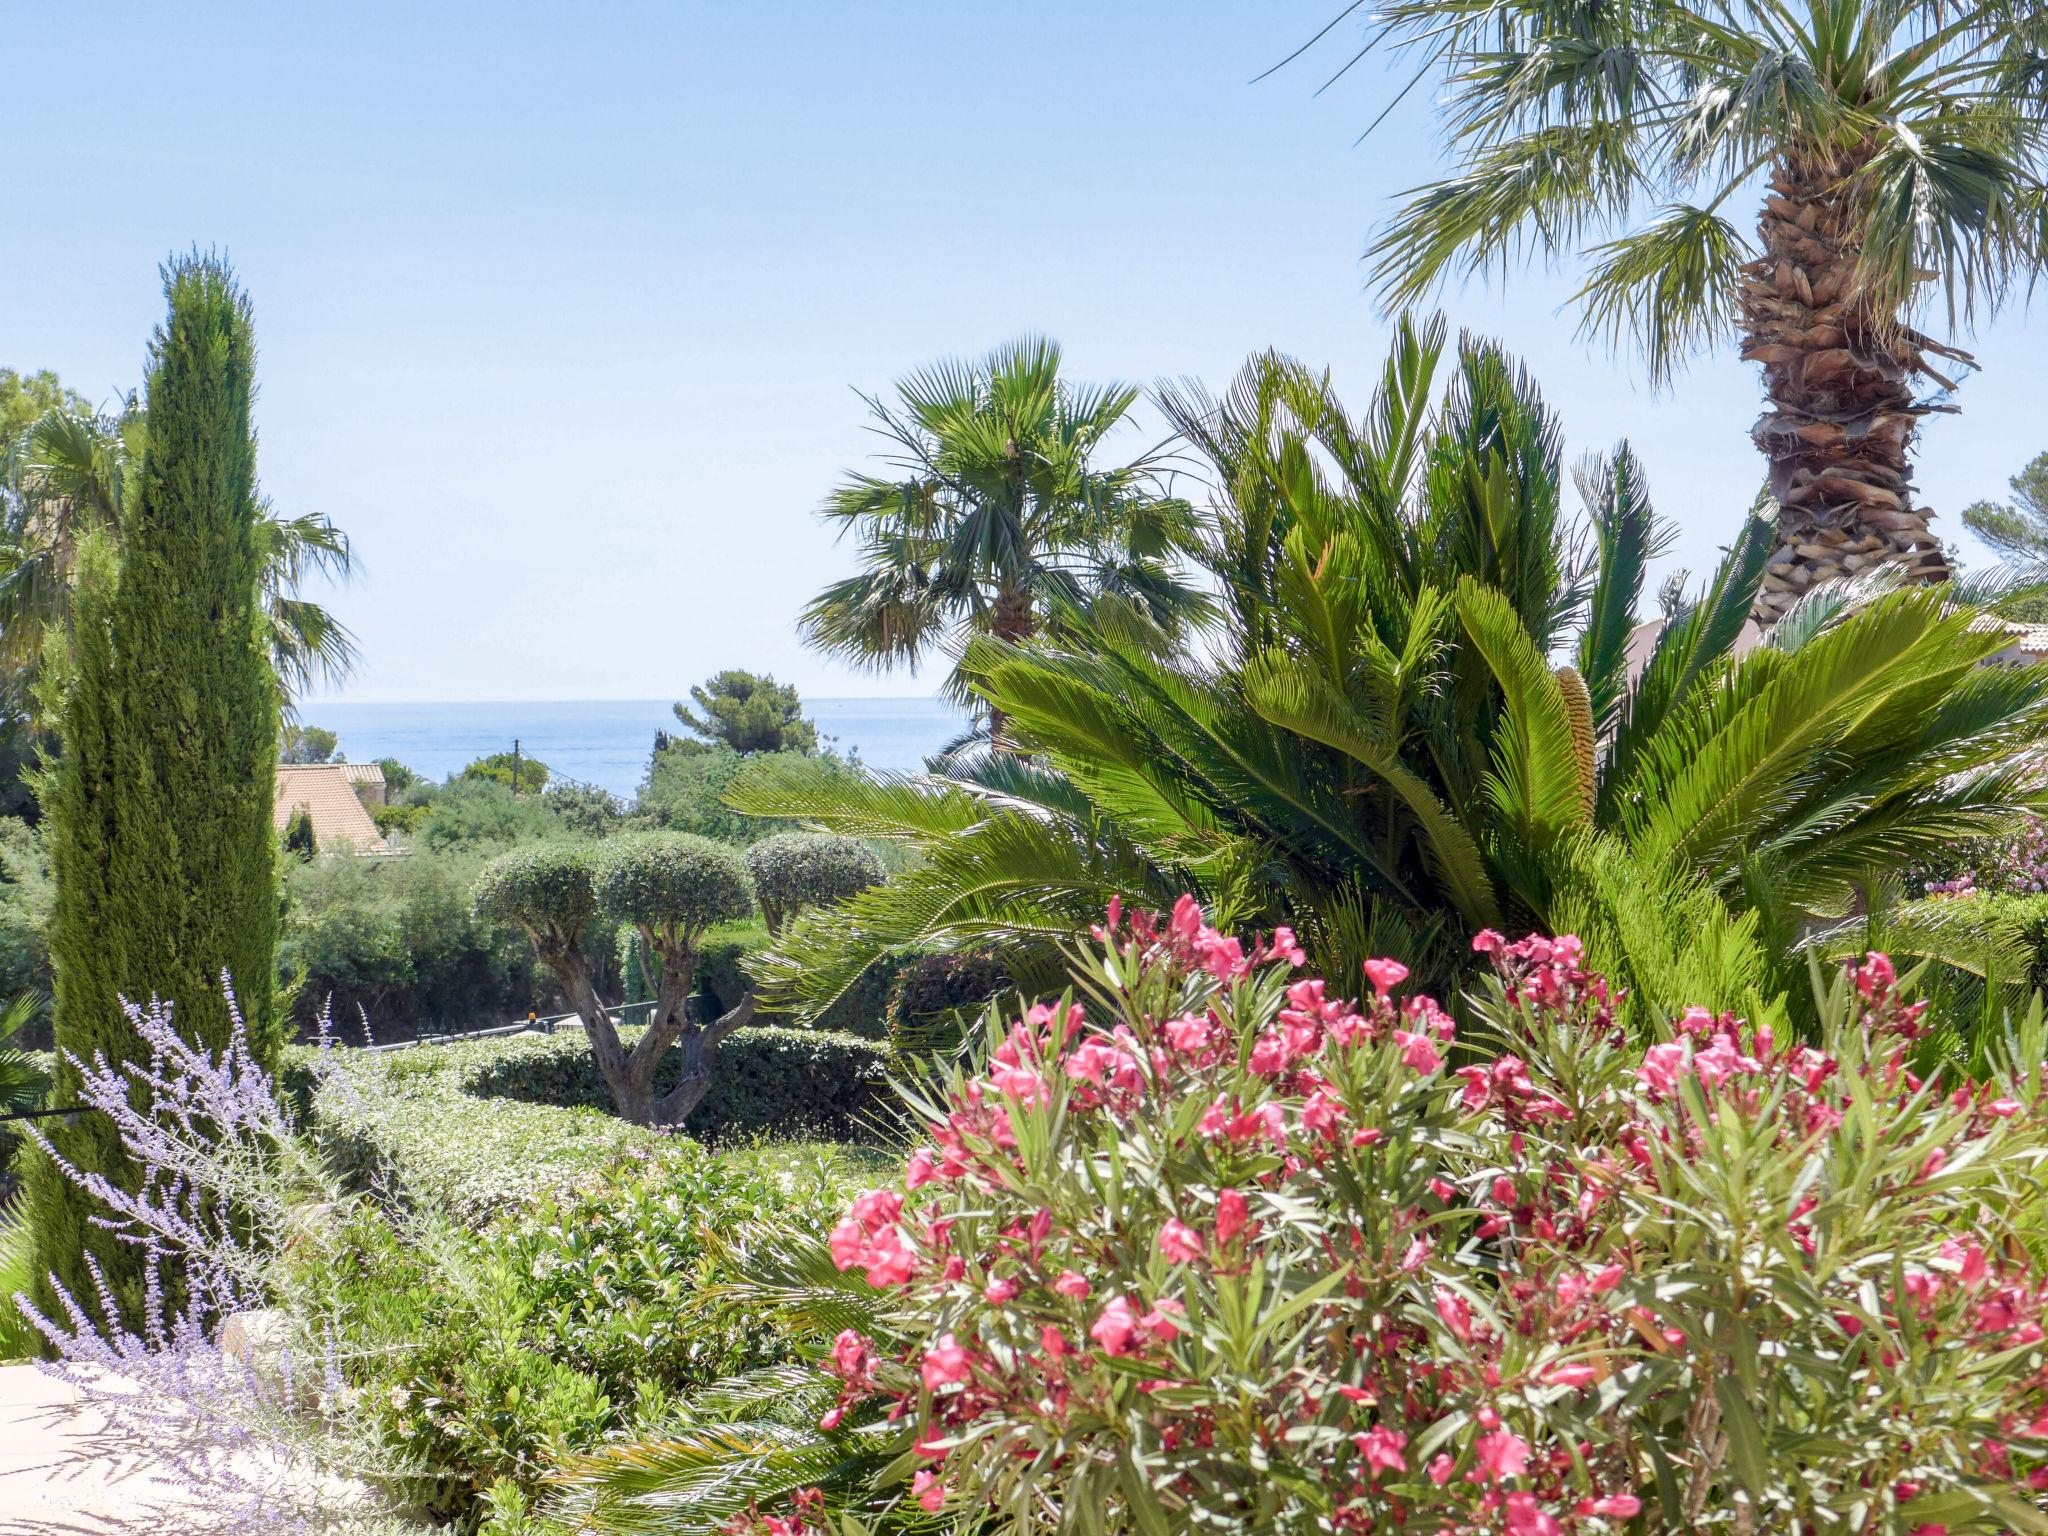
(489, 1357)
(398, 820)
(26, 895)
(479, 1127)
(404, 1125)
(396, 940)
(485, 813)
(686, 783)
(796, 871)
(499, 767)
(932, 992)
(672, 880)
(779, 1082)
(721, 964)
(722, 977)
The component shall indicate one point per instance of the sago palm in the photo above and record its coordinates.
(996, 513)
(1889, 152)
(71, 473)
(1377, 746)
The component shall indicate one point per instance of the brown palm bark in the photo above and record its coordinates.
(1842, 371)
(1011, 617)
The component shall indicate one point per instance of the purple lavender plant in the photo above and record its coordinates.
(226, 1181)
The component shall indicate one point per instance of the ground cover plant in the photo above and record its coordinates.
(1207, 1246)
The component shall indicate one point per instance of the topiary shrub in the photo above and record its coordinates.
(797, 871)
(671, 888)
(1208, 1248)
(930, 992)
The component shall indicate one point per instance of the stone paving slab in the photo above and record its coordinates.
(65, 1472)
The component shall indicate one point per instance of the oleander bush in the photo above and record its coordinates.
(1209, 1247)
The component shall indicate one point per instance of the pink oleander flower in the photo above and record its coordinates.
(1071, 1285)
(1502, 1454)
(1382, 1447)
(1181, 1243)
(946, 1364)
(1385, 975)
(1232, 1214)
(1116, 1330)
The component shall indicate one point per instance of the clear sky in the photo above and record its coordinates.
(562, 308)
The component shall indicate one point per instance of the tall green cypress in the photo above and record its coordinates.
(159, 802)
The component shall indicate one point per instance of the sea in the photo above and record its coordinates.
(608, 741)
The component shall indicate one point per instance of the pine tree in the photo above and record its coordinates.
(159, 802)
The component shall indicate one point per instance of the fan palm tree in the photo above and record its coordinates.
(1890, 150)
(1377, 747)
(72, 473)
(996, 514)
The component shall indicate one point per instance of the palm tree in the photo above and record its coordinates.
(72, 474)
(1889, 149)
(1377, 746)
(996, 515)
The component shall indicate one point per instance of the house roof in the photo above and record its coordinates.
(326, 792)
(362, 773)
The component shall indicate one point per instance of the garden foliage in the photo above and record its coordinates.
(1209, 1247)
(158, 809)
(1374, 745)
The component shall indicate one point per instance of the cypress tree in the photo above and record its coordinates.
(159, 802)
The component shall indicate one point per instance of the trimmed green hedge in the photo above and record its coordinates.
(777, 1082)
(482, 1126)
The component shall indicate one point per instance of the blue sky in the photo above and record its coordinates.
(562, 309)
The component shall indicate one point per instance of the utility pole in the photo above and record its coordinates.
(515, 765)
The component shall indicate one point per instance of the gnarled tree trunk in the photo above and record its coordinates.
(630, 1074)
(1842, 373)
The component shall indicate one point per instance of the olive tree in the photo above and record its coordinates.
(794, 871)
(669, 887)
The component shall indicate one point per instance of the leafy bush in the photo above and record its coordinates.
(931, 991)
(672, 880)
(26, 895)
(468, 812)
(1209, 1248)
(479, 1127)
(494, 1356)
(686, 783)
(721, 963)
(497, 768)
(723, 975)
(406, 1125)
(397, 941)
(585, 809)
(796, 871)
(781, 1082)
(398, 820)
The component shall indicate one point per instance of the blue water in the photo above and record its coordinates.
(608, 741)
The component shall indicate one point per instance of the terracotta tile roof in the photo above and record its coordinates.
(326, 793)
(362, 773)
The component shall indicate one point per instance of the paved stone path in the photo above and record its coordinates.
(64, 1472)
(60, 1476)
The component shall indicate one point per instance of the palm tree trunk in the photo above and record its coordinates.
(1840, 370)
(1012, 618)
